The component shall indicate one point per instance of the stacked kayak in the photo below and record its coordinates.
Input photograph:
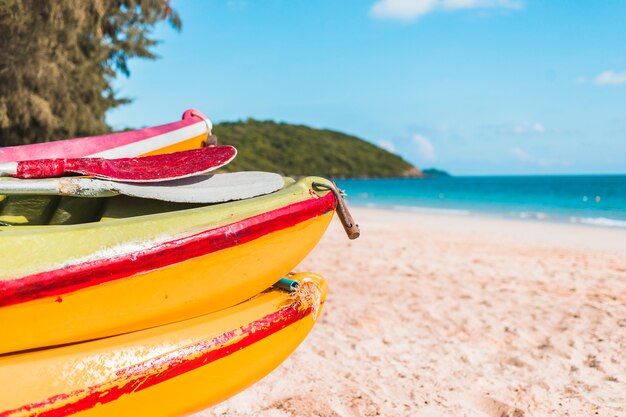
(120, 305)
(144, 263)
(170, 370)
(193, 131)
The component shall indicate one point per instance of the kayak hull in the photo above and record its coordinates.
(63, 284)
(169, 370)
(188, 133)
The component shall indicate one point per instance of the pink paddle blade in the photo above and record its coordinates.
(161, 167)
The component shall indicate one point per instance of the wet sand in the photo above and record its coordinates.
(432, 315)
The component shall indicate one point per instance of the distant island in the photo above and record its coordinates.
(434, 173)
(297, 150)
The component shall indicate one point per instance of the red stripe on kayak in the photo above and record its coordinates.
(188, 358)
(87, 274)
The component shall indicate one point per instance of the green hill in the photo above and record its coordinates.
(300, 150)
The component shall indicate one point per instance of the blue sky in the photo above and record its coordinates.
(476, 87)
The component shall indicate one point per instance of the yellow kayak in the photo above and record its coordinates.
(170, 370)
(141, 263)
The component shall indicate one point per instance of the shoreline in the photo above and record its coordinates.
(432, 315)
(607, 238)
(595, 200)
(530, 216)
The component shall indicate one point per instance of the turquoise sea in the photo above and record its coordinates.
(598, 200)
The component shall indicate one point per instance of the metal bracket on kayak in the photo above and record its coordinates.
(351, 228)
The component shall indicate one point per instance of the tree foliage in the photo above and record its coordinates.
(59, 57)
(300, 150)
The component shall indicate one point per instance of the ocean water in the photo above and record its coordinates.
(598, 200)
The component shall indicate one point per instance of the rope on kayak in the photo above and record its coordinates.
(305, 293)
(351, 228)
(308, 295)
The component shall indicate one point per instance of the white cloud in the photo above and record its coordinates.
(387, 145)
(524, 128)
(402, 9)
(611, 78)
(531, 159)
(409, 10)
(521, 154)
(425, 149)
(538, 127)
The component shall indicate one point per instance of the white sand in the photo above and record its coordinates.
(434, 315)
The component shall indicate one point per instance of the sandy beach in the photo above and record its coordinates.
(432, 315)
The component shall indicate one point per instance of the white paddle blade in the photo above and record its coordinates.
(216, 188)
(198, 189)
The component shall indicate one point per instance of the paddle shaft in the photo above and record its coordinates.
(77, 187)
